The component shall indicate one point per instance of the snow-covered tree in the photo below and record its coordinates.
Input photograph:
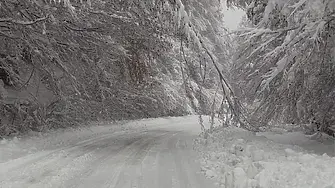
(285, 64)
(68, 61)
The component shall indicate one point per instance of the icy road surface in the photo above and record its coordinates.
(156, 154)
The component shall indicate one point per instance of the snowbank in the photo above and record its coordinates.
(236, 158)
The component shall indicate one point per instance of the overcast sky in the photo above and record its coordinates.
(232, 18)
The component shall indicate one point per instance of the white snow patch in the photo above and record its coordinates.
(33, 142)
(242, 159)
(14, 148)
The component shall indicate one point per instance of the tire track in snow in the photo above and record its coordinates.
(118, 180)
(186, 152)
(31, 159)
(137, 167)
(182, 179)
(153, 158)
(188, 175)
(34, 170)
(52, 166)
(102, 160)
(71, 172)
(166, 169)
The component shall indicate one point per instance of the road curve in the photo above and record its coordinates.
(157, 157)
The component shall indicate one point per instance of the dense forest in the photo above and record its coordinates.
(284, 68)
(69, 62)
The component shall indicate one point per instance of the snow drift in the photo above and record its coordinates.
(236, 158)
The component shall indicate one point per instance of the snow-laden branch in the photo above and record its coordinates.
(255, 32)
(8, 35)
(89, 29)
(20, 22)
(261, 31)
(191, 32)
(112, 15)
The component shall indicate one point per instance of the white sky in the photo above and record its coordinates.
(232, 18)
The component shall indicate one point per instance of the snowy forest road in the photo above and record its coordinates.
(159, 156)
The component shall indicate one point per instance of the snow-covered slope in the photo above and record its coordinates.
(236, 158)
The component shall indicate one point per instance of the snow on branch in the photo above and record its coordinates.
(297, 6)
(281, 64)
(191, 32)
(111, 15)
(256, 32)
(20, 22)
(8, 35)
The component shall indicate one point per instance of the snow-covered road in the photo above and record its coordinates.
(156, 154)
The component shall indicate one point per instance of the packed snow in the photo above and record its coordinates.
(236, 158)
(19, 146)
(147, 153)
(159, 153)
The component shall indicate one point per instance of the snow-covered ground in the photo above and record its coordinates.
(148, 153)
(236, 158)
(35, 142)
(159, 152)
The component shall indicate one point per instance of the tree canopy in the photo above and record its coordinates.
(65, 62)
(285, 60)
